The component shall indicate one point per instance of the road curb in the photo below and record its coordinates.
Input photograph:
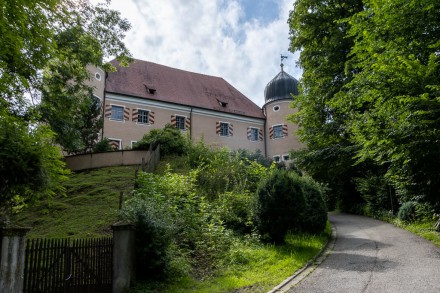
(309, 267)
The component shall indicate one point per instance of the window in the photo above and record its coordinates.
(278, 131)
(143, 116)
(98, 76)
(133, 142)
(117, 113)
(276, 159)
(254, 134)
(224, 129)
(285, 157)
(276, 108)
(115, 143)
(96, 102)
(180, 122)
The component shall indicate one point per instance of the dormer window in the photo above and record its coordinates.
(223, 104)
(150, 89)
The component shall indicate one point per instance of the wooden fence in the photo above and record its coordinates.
(64, 265)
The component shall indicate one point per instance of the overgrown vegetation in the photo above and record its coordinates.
(88, 209)
(369, 103)
(198, 216)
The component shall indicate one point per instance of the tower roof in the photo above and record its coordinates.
(281, 87)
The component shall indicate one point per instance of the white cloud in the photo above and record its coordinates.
(210, 37)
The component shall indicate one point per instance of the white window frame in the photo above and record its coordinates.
(148, 117)
(277, 158)
(133, 142)
(221, 129)
(97, 76)
(178, 126)
(285, 155)
(276, 126)
(276, 108)
(117, 139)
(257, 131)
(111, 114)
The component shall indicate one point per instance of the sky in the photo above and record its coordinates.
(238, 40)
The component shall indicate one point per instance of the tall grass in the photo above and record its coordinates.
(250, 265)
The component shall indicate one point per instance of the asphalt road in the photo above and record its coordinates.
(373, 256)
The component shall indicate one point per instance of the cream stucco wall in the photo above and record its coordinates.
(203, 123)
(281, 146)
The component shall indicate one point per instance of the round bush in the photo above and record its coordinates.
(407, 211)
(280, 206)
(315, 217)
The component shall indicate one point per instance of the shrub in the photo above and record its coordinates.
(315, 217)
(280, 206)
(102, 146)
(407, 211)
(237, 211)
(154, 231)
(170, 139)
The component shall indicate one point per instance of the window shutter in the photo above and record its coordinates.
(187, 123)
(231, 129)
(271, 132)
(115, 144)
(285, 130)
(260, 134)
(217, 128)
(134, 115)
(126, 113)
(108, 111)
(151, 117)
(173, 120)
(249, 133)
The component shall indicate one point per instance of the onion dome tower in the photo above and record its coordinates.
(280, 134)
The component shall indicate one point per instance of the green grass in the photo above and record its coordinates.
(88, 210)
(424, 229)
(251, 267)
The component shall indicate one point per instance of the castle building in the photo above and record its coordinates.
(146, 95)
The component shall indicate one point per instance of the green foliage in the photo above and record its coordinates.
(169, 138)
(378, 194)
(224, 171)
(30, 164)
(236, 210)
(316, 31)
(280, 206)
(102, 146)
(45, 47)
(407, 211)
(369, 99)
(315, 215)
(288, 202)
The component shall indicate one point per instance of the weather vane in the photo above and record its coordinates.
(282, 58)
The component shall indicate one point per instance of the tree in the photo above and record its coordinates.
(45, 47)
(30, 164)
(393, 102)
(317, 31)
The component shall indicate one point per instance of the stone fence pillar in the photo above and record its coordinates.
(12, 255)
(124, 257)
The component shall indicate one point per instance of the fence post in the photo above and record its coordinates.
(12, 255)
(124, 257)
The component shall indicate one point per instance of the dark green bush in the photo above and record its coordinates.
(315, 217)
(407, 211)
(170, 139)
(154, 233)
(236, 211)
(103, 146)
(280, 206)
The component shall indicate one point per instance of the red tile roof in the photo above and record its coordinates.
(177, 86)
